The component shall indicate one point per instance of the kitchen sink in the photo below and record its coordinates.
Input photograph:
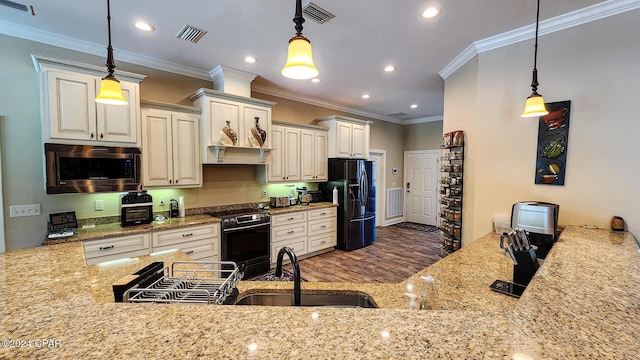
(328, 299)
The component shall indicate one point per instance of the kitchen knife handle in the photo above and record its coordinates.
(512, 254)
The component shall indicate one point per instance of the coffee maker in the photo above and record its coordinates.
(540, 221)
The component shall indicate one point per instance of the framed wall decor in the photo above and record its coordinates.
(553, 142)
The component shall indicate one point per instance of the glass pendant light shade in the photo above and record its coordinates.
(300, 60)
(110, 92)
(534, 106)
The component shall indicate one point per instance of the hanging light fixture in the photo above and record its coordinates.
(299, 59)
(110, 90)
(535, 103)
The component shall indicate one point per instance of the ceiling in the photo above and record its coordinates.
(350, 50)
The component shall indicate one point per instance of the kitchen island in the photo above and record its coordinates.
(583, 302)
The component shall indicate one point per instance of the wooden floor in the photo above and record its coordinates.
(397, 254)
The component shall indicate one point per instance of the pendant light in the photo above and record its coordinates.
(299, 59)
(535, 103)
(110, 90)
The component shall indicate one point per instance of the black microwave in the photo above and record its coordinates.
(88, 169)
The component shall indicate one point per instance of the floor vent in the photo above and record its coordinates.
(191, 34)
(316, 13)
(394, 202)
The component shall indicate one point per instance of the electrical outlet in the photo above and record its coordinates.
(24, 210)
(265, 194)
(98, 205)
(161, 198)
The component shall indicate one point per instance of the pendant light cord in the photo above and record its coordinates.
(534, 81)
(110, 62)
(298, 19)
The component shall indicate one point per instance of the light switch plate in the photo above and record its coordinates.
(98, 205)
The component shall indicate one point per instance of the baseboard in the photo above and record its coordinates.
(393, 221)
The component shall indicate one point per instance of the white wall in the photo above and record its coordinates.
(594, 65)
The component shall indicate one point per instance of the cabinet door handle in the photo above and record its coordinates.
(187, 235)
(189, 252)
(107, 247)
(290, 232)
(176, 181)
(91, 135)
(323, 227)
(289, 219)
(323, 241)
(169, 181)
(323, 213)
(101, 136)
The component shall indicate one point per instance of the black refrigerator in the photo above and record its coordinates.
(354, 180)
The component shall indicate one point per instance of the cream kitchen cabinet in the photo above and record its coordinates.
(200, 242)
(218, 108)
(97, 251)
(299, 153)
(170, 145)
(348, 138)
(285, 155)
(322, 229)
(71, 115)
(289, 230)
(314, 164)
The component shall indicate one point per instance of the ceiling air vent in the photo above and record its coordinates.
(14, 5)
(398, 114)
(316, 13)
(191, 33)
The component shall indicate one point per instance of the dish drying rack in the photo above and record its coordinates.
(211, 284)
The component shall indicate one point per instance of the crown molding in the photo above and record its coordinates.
(285, 94)
(558, 23)
(23, 32)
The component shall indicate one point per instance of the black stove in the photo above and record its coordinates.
(241, 217)
(246, 239)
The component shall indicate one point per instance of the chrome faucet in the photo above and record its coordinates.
(296, 271)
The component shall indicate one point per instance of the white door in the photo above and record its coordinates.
(421, 186)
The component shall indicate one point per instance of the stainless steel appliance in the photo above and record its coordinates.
(87, 169)
(174, 211)
(279, 201)
(246, 239)
(540, 221)
(356, 205)
(136, 208)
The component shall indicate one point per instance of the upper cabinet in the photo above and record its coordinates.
(170, 145)
(348, 138)
(70, 114)
(249, 118)
(299, 153)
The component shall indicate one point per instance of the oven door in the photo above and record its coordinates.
(249, 247)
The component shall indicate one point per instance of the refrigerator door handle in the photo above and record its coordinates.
(364, 219)
(364, 187)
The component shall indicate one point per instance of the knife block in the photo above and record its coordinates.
(526, 268)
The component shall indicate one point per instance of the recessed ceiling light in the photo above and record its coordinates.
(250, 59)
(389, 68)
(141, 25)
(431, 12)
(365, 96)
(315, 80)
(414, 106)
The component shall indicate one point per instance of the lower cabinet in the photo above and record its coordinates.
(288, 230)
(322, 229)
(200, 242)
(304, 231)
(97, 251)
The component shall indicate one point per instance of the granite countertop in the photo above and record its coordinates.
(583, 302)
(103, 231)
